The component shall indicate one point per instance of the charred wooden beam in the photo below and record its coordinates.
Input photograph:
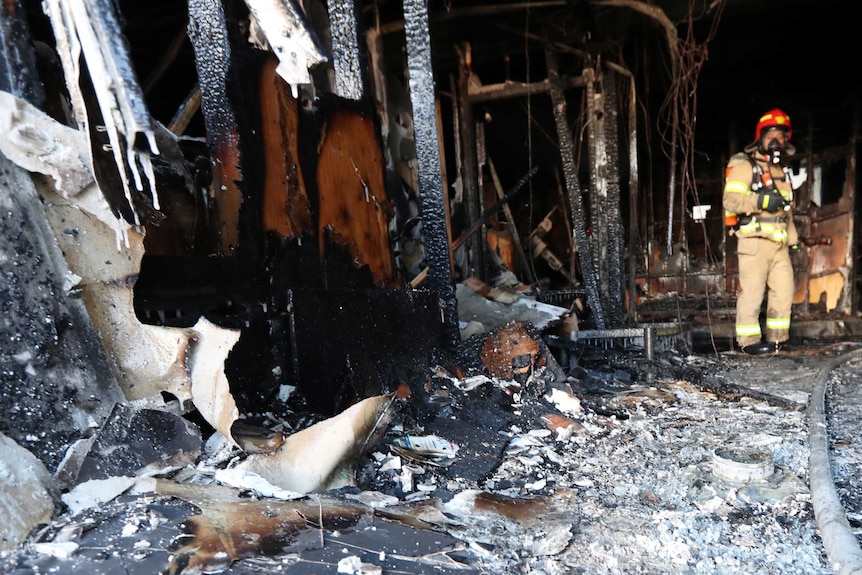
(352, 191)
(208, 33)
(605, 187)
(519, 247)
(434, 224)
(187, 110)
(349, 78)
(488, 212)
(597, 191)
(505, 90)
(286, 207)
(633, 197)
(611, 177)
(469, 159)
(573, 188)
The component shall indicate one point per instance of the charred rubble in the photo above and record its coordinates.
(254, 251)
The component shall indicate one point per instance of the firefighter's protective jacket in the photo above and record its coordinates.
(740, 198)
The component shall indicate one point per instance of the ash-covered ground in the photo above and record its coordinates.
(635, 475)
(620, 480)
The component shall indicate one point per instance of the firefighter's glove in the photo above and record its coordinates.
(770, 200)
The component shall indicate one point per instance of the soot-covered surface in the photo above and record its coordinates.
(53, 370)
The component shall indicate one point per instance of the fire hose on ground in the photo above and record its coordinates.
(842, 547)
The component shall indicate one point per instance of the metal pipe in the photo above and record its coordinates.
(649, 342)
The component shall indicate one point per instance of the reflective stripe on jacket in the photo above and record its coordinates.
(740, 198)
(775, 231)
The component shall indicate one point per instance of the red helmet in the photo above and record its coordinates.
(773, 119)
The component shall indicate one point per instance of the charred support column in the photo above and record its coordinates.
(428, 155)
(208, 33)
(597, 190)
(573, 189)
(633, 199)
(634, 215)
(469, 161)
(614, 214)
(349, 79)
(604, 180)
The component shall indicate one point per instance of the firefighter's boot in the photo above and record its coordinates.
(759, 348)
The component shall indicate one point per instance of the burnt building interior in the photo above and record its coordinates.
(320, 176)
(549, 126)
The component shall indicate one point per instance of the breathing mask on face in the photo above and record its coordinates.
(773, 150)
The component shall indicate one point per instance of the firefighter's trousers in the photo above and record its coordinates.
(764, 267)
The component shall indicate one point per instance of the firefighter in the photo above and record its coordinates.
(758, 204)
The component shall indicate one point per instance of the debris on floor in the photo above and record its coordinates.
(322, 457)
(625, 476)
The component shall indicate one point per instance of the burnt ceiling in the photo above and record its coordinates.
(748, 56)
(751, 55)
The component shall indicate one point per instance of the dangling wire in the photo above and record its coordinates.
(529, 248)
(680, 112)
